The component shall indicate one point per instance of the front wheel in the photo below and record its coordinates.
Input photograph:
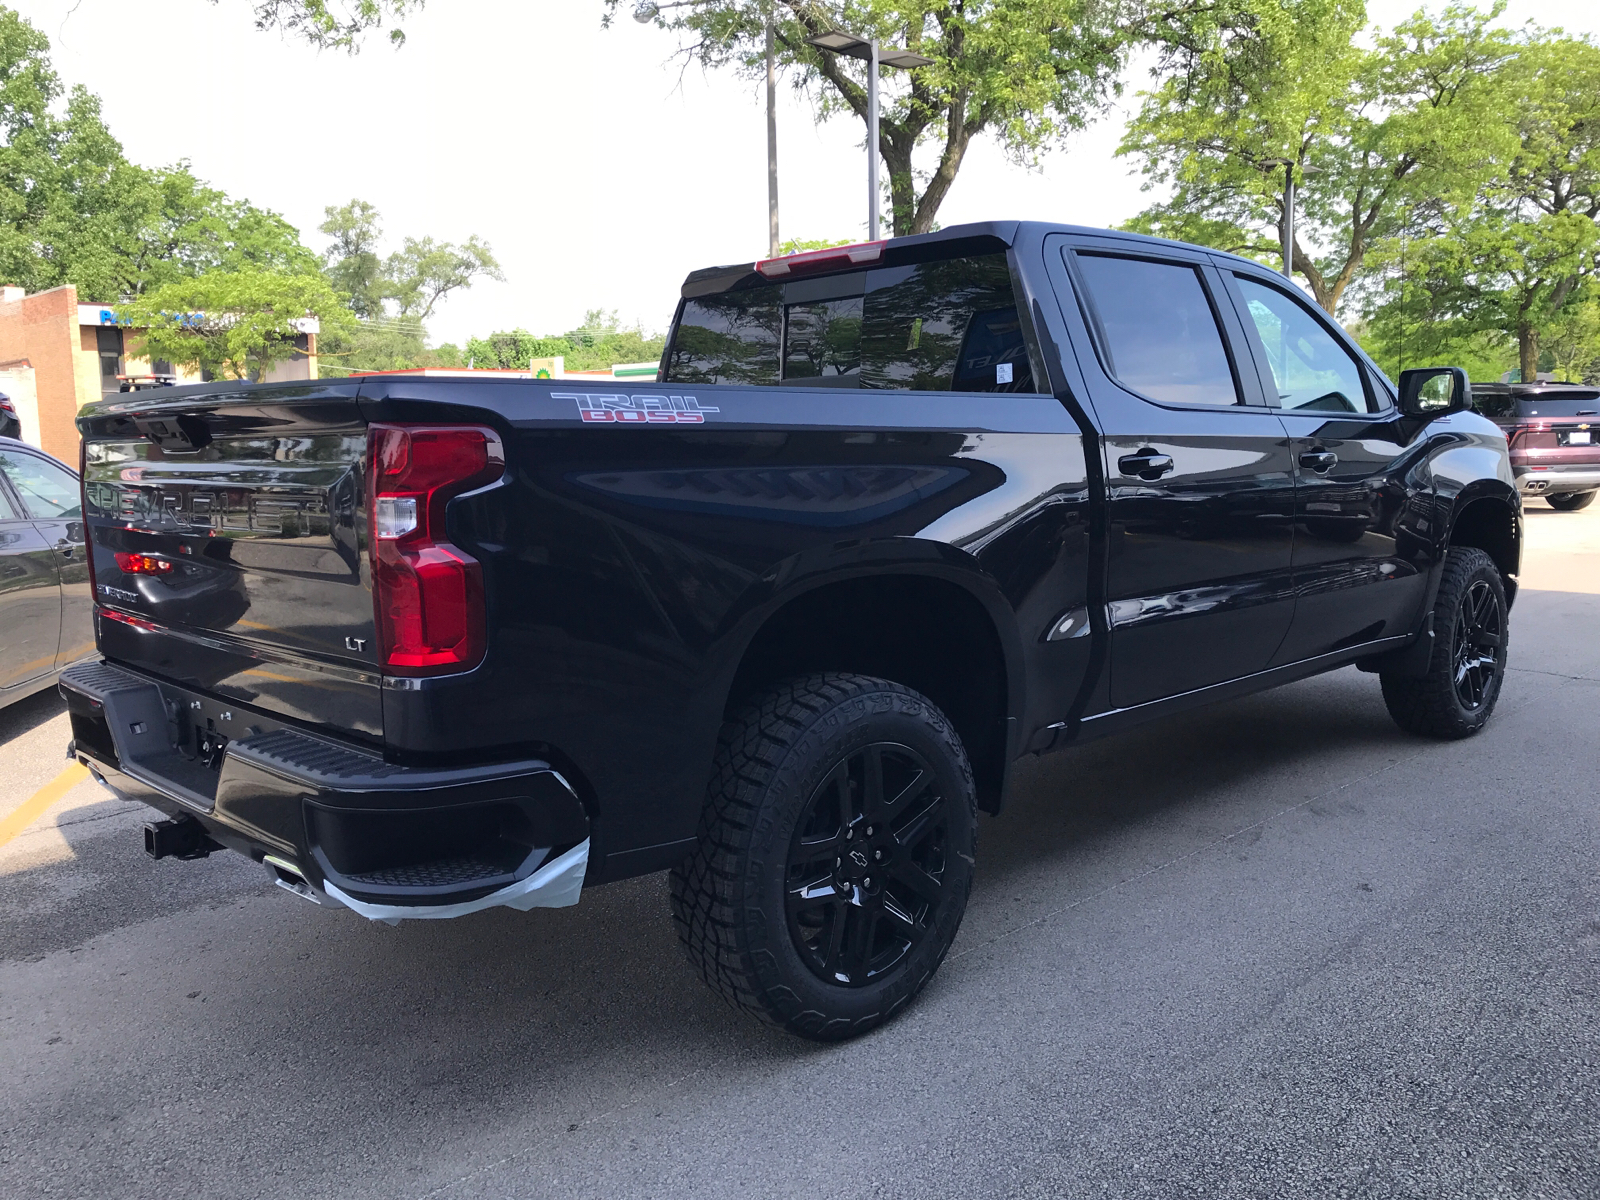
(1457, 694)
(835, 855)
(1571, 501)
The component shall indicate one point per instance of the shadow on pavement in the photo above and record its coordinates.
(28, 714)
(447, 1042)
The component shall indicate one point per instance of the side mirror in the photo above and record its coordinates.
(1434, 391)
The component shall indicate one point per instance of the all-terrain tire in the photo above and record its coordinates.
(773, 908)
(1571, 501)
(1457, 694)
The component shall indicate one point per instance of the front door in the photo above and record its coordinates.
(30, 599)
(50, 494)
(1200, 479)
(1358, 578)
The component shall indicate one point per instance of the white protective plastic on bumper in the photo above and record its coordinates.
(554, 885)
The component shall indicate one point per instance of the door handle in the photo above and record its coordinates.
(65, 547)
(1146, 464)
(1318, 460)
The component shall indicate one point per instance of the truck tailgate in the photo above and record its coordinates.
(228, 536)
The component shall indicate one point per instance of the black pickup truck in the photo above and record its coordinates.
(892, 517)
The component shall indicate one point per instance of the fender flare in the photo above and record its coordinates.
(812, 570)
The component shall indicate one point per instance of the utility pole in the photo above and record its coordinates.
(646, 11)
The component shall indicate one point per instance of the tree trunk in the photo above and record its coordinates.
(902, 185)
(1528, 352)
(957, 137)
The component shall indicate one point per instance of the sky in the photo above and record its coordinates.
(599, 171)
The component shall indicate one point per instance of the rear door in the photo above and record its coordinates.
(1200, 482)
(1357, 577)
(50, 494)
(30, 593)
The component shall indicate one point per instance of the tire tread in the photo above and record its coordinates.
(706, 889)
(1427, 705)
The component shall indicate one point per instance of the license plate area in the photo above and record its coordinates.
(1575, 437)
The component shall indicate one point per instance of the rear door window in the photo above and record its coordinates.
(950, 325)
(1158, 329)
(48, 489)
(1496, 405)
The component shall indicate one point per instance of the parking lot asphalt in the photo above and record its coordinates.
(1275, 948)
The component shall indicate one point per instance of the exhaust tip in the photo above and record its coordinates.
(288, 876)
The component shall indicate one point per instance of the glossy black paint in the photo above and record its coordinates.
(988, 548)
(256, 497)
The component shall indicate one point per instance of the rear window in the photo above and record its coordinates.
(1561, 404)
(941, 326)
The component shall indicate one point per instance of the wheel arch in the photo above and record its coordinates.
(922, 614)
(1487, 514)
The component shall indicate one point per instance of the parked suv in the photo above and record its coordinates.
(1553, 432)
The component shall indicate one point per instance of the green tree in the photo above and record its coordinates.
(74, 210)
(1571, 343)
(423, 272)
(392, 296)
(1510, 259)
(600, 342)
(1026, 72)
(351, 261)
(234, 323)
(1250, 87)
(339, 25)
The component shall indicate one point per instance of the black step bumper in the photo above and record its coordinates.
(382, 833)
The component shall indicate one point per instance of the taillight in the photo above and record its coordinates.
(427, 594)
(111, 614)
(143, 564)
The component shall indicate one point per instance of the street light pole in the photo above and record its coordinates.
(872, 144)
(875, 56)
(1288, 220)
(772, 139)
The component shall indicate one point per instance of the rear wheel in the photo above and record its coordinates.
(835, 855)
(1571, 501)
(1457, 695)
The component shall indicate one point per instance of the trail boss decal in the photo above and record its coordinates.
(640, 410)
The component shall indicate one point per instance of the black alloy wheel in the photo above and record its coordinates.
(1479, 635)
(867, 864)
(1455, 695)
(835, 854)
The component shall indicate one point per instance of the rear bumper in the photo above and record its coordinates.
(1539, 481)
(387, 836)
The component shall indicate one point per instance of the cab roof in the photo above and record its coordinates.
(976, 237)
